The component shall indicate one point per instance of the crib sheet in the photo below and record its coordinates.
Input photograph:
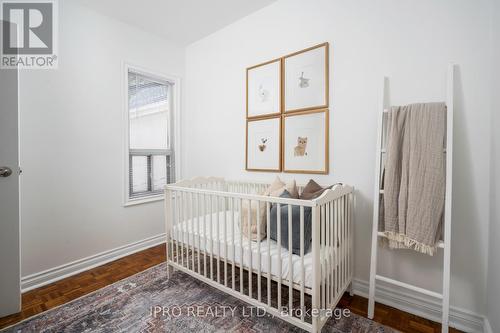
(220, 242)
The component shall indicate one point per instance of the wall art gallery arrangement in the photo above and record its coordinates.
(287, 113)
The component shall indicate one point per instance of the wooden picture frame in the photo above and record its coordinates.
(263, 144)
(295, 147)
(264, 94)
(305, 79)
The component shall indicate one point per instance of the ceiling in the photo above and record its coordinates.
(180, 21)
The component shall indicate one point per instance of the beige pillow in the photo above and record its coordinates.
(291, 187)
(276, 189)
(252, 224)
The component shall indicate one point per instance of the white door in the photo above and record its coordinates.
(10, 291)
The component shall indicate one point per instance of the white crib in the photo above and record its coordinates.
(204, 240)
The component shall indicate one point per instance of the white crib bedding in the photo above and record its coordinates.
(187, 232)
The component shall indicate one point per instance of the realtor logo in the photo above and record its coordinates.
(29, 31)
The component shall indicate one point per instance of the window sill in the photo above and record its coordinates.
(140, 201)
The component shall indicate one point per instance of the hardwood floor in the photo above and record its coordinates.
(63, 291)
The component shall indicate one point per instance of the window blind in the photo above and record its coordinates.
(143, 91)
(151, 156)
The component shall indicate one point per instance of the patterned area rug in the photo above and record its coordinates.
(150, 302)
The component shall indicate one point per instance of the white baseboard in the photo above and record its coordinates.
(487, 326)
(39, 279)
(422, 306)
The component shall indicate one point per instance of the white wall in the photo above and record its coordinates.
(72, 142)
(493, 312)
(410, 41)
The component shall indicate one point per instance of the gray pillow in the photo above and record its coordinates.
(295, 226)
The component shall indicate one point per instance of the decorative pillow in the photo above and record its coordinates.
(295, 226)
(252, 224)
(278, 187)
(292, 189)
(312, 190)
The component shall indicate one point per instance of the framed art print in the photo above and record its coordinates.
(264, 89)
(306, 79)
(305, 142)
(263, 144)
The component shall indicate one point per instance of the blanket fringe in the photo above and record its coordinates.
(401, 241)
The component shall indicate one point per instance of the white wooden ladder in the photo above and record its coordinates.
(445, 244)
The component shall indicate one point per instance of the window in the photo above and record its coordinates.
(150, 135)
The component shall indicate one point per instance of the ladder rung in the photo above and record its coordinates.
(440, 243)
(409, 286)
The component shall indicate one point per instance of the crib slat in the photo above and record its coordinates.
(335, 241)
(191, 222)
(341, 249)
(180, 231)
(172, 224)
(224, 208)
(280, 264)
(331, 252)
(290, 263)
(339, 246)
(183, 225)
(240, 215)
(334, 249)
(211, 263)
(186, 228)
(198, 230)
(348, 239)
(259, 292)
(326, 283)
(351, 238)
(205, 235)
(185, 222)
(328, 258)
(348, 212)
(344, 240)
(315, 269)
(268, 214)
(217, 227)
(321, 253)
(233, 274)
(302, 309)
(250, 266)
(178, 220)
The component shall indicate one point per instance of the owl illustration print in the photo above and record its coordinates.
(300, 148)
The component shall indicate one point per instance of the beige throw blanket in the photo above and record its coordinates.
(414, 179)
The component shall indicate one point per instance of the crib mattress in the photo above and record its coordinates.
(220, 242)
